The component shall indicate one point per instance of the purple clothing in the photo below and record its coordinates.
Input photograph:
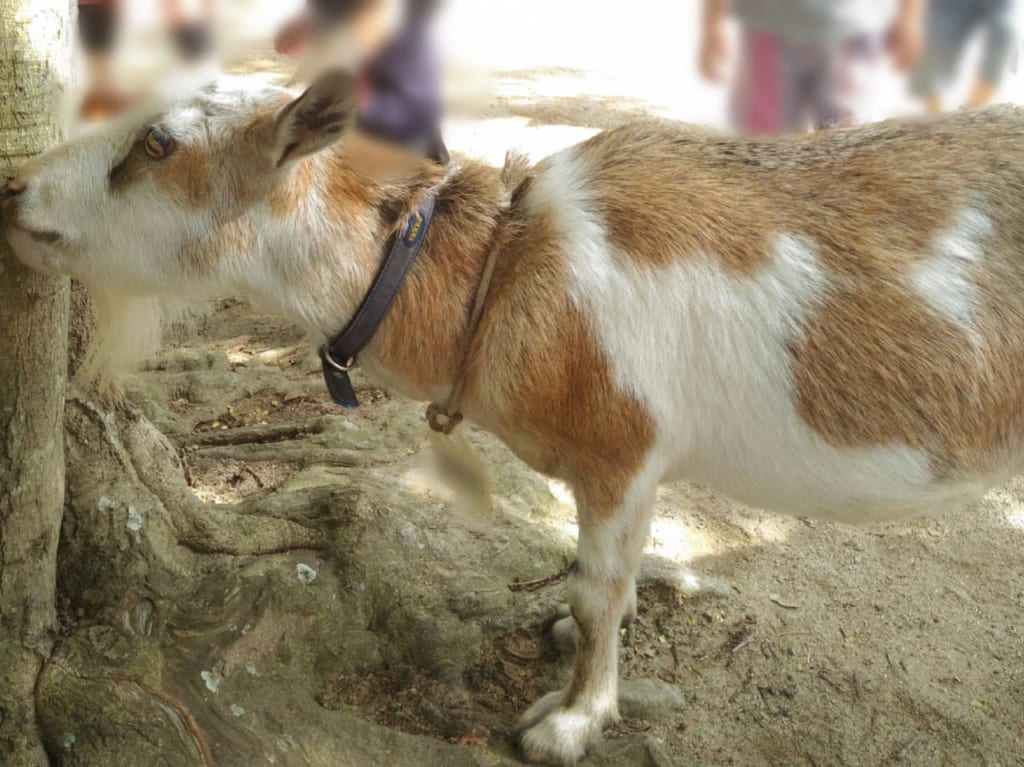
(786, 87)
(400, 98)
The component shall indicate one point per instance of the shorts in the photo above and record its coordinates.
(948, 29)
(97, 26)
(786, 87)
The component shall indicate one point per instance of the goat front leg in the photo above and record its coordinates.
(559, 727)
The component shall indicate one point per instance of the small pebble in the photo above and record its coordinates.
(212, 680)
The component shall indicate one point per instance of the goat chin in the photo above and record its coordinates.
(128, 329)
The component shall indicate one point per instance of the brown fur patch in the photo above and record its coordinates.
(441, 286)
(538, 379)
(667, 192)
(201, 258)
(876, 364)
(289, 193)
(660, 202)
(187, 174)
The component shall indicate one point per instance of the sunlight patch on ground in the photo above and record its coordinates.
(1013, 508)
(771, 528)
(490, 140)
(675, 541)
(561, 492)
(1008, 501)
(212, 496)
(679, 542)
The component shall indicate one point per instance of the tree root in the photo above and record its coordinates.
(174, 711)
(147, 462)
(284, 443)
(247, 435)
(300, 454)
(216, 531)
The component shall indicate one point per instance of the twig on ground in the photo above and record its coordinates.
(901, 754)
(740, 646)
(254, 475)
(540, 583)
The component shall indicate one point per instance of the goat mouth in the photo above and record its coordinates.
(44, 236)
(48, 238)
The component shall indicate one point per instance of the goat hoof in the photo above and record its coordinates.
(561, 739)
(549, 732)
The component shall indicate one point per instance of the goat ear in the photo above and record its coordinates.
(316, 119)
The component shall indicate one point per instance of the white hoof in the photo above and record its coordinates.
(552, 734)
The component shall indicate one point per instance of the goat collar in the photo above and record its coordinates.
(339, 356)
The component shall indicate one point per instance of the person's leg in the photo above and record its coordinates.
(999, 42)
(947, 29)
(191, 27)
(97, 33)
(757, 101)
(844, 88)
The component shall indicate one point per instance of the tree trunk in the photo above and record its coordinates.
(35, 39)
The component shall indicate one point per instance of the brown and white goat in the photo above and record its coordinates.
(830, 326)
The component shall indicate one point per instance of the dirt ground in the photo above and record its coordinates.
(828, 646)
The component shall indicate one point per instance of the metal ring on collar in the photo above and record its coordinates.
(346, 368)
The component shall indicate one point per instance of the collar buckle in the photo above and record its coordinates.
(325, 355)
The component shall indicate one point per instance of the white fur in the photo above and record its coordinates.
(945, 280)
(707, 352)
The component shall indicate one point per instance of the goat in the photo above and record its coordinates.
(830, 326)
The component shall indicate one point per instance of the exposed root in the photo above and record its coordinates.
(300, 454)
(147, 459)
(178, 714)
(216, 531)
(247, 435)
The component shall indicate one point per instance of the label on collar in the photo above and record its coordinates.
(415, 230)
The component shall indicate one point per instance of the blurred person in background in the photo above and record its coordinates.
(949, 26)
(387, 43)
(191, 29)
(807, 64)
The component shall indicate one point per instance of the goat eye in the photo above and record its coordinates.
(158, 144)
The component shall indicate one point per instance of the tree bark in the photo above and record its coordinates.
(35, 44)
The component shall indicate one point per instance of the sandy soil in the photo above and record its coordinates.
(833, 646)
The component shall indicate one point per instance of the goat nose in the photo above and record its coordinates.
(13, 188)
